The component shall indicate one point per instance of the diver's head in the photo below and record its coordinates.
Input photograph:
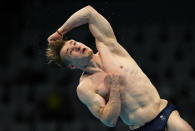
(74, 54)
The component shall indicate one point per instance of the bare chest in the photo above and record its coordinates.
(98, 81)
(115, 58)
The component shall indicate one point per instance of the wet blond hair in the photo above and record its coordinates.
(53, 53)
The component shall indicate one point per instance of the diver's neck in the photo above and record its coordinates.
(95, 65)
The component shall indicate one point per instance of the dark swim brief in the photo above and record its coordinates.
(159, 122)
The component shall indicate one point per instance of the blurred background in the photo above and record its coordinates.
(36, 96)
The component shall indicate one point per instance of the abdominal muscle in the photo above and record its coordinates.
(140, 116)
(139, 105)
(140, 101)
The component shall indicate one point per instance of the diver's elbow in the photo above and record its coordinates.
(110, 123)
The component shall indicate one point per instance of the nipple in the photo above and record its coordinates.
(121, 67)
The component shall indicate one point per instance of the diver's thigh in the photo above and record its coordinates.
(176, 123)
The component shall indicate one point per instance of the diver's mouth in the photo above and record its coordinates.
(83, 51)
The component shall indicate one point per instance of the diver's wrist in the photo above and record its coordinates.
(59, 33)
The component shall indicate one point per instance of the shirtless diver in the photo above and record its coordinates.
(112, 84)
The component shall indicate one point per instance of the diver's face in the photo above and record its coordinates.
(76, 52)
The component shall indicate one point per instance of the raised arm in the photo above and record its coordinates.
(108, 112)
(98, 25)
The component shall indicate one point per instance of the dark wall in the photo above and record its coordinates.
(37, 96)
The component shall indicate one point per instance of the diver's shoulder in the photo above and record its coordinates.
(84, 76)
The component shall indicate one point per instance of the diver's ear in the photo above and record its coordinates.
(72, 66)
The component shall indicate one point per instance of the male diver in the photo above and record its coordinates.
(112, 84)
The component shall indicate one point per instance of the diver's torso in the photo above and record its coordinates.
(139, 99)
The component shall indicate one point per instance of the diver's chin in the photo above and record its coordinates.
(89, 53)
